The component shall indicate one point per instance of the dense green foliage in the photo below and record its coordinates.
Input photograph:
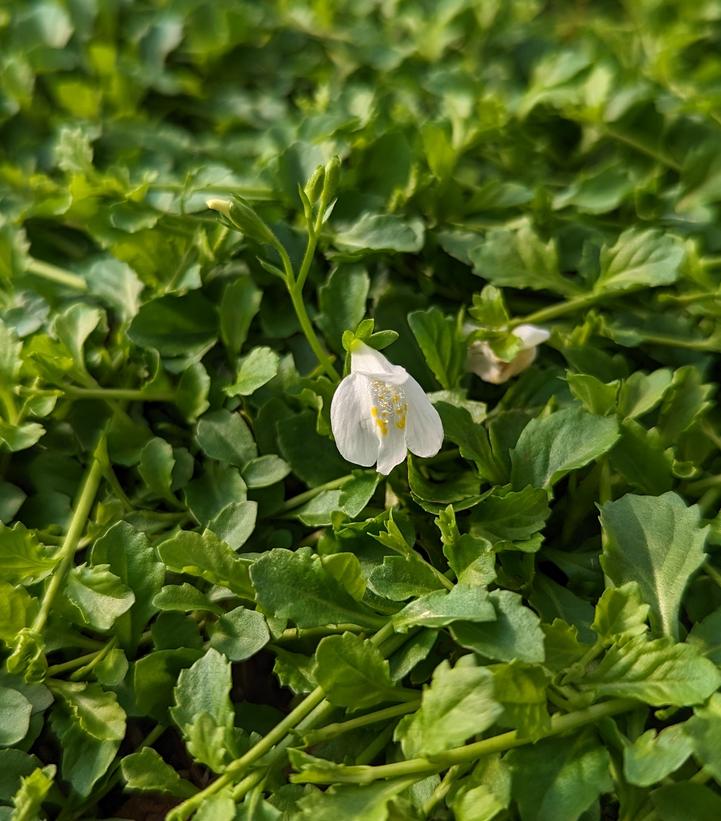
(203, 608)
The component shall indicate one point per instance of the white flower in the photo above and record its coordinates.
(484, 363)
(379, 412)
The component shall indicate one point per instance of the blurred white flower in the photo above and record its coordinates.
(379, 412)
(483, 361)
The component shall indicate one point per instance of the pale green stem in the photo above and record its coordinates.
(340, 727)
(72, 537)
(441, 791)
(306, 496)
(421, 767)
(560, 309)
(130, 394)
(55, 274)
(296, 297)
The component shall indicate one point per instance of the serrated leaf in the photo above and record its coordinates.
(296, 586)
(549, 447)
(655, 671)
(515, 634)
(442, 607)
(559, 777)
(204, 555)
(458, 704)
(23, 560)
(256, 369)
(640, 259)
(653, 756)
(352, 672)
(146, 771)
(656, 541)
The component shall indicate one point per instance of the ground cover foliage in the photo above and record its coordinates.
(203, 608)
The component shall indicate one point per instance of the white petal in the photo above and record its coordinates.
(352, 423)
(531, 335)
(372, 363)
(424, 430)
(392, 450)
(484, 363)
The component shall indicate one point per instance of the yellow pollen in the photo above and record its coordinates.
(391, 407)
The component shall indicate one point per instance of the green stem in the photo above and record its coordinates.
(130, 394)
(421, 767)
(296, 633)
(55, 274)
(296, 297)
(376, 746)
(340, 727)
(55, 670)
(560, 309)
(648, 150)
(306, 496)
(441, 791)
(711, 571)
(78, 521)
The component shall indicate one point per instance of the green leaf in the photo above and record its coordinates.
(516, 633)
(441, 608)
(23, 560)
(203, 710)
(365, 803)
(656, 541)
(398, 578)
(703, 735)
(11, 499)
(116, 284)
(95, 711)
(184, 598)
(706, 636)
(145, 771)
(73, 327)
(458, 704)
(14, 764)
(156, 467)
(240, 634)
(20, 437)
(256, 369)
(352, 672)
(98, 594)
(350, 499)
(296, 586)
(129, 555)
(381, 232)
(520, 259)
(673, 802)
(34, 788)
(15, 712)
(653, 756)
(217, 487)
(205, 556)
(511, 519)
(342, 302)
(191, 395)
(13, 251)
(640, 259)
(639, 456)
(225, 436)
(155, 676)
(552, 446)
(265, 471)
(235, 523)
(85, 758)
(438, 339)
(596, 397)
(559, 777)
(657, 672)
(683, 404)
(521, 689)
(17, 610)
(313, 458)
(176, 326)
(642, 392)
(620, 612)
(239, 304)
